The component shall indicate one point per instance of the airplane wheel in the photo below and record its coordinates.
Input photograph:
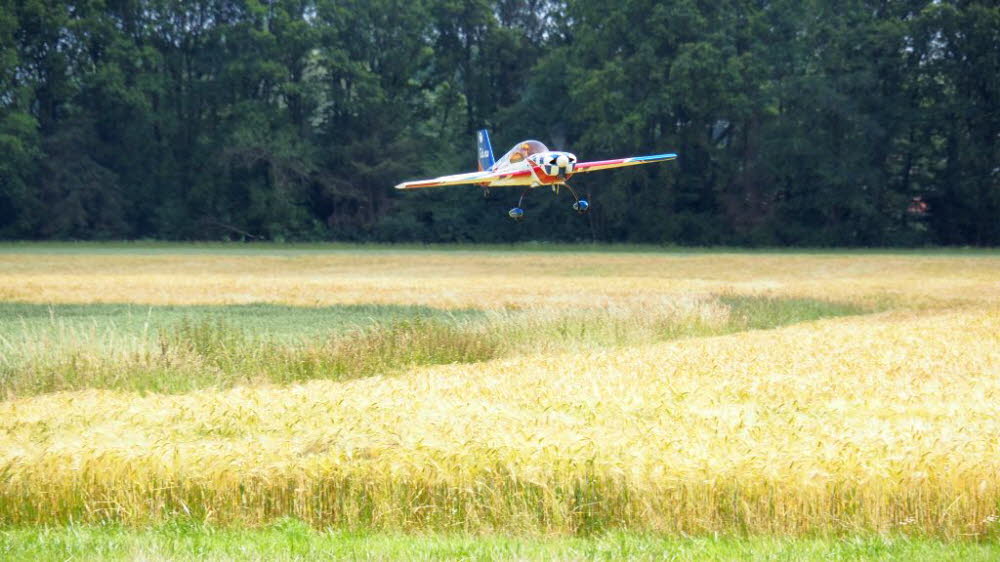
(516, 213)
(581, 206)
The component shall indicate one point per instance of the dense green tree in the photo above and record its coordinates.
(961, 72)
(19, 153)
(812, 123)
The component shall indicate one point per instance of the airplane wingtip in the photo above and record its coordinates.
(655, 157)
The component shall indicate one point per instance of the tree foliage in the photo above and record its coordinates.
(821, 122)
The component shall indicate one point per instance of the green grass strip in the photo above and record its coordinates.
(148, 247)
(293, 540)
(275, 322)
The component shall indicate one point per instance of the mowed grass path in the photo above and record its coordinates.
(273, 322)
(580, 411)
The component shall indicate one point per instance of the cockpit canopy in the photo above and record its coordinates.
(521, 151)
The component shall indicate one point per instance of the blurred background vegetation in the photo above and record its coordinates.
(815, 122)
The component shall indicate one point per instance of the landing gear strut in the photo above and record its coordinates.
(517, 213)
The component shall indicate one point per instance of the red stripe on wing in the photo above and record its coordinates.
(462, 179)
(424, 184)
(584, 166)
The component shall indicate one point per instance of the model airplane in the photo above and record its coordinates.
(530, 164)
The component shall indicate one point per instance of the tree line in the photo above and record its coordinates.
(806, 122)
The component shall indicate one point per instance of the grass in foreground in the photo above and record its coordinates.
(290, 539)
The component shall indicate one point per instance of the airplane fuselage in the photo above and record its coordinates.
(543, 168)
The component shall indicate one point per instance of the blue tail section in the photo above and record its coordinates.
(484, 150)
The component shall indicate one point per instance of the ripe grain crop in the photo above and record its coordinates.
(886, 422)
(486, 280)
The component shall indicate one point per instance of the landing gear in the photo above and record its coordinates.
(580, 205)
(517, 213)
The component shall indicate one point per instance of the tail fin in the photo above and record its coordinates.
(484, 150)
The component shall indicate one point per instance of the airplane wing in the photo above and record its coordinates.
(620, 162)
(459, 179)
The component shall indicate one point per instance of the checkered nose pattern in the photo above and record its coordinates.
(557, 163)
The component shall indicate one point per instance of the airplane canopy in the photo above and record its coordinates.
(521, 151)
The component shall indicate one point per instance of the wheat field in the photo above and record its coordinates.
(480, 279)
(581, 415)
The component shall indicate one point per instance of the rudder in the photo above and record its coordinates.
(483, 150)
